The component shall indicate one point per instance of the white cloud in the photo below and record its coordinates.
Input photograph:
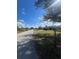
(40, 18)
(45, 23)
(20, 20)
(48, 23)
(23, 9)
(21, 24)
(23, 13)
(57, 24)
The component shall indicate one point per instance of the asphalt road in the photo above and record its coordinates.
(25, 46)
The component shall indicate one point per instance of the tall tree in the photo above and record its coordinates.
(53, 9)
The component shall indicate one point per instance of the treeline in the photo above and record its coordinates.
(40, 28)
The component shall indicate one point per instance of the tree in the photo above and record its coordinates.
(43, 3)
(32, 28)
(53, 9)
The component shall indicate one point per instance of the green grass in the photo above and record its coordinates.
(20, 30)
(45, 33)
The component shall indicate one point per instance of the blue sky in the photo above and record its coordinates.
(28, 14)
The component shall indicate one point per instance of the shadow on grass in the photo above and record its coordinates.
(49, 47)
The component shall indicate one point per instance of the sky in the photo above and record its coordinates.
(30, 16)
(27, 14)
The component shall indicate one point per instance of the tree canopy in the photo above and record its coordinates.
(53, 9)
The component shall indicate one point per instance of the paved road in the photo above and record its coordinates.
(25, 46)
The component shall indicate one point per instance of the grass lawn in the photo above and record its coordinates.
(20, 30)
(46, 45)
(45, 33)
